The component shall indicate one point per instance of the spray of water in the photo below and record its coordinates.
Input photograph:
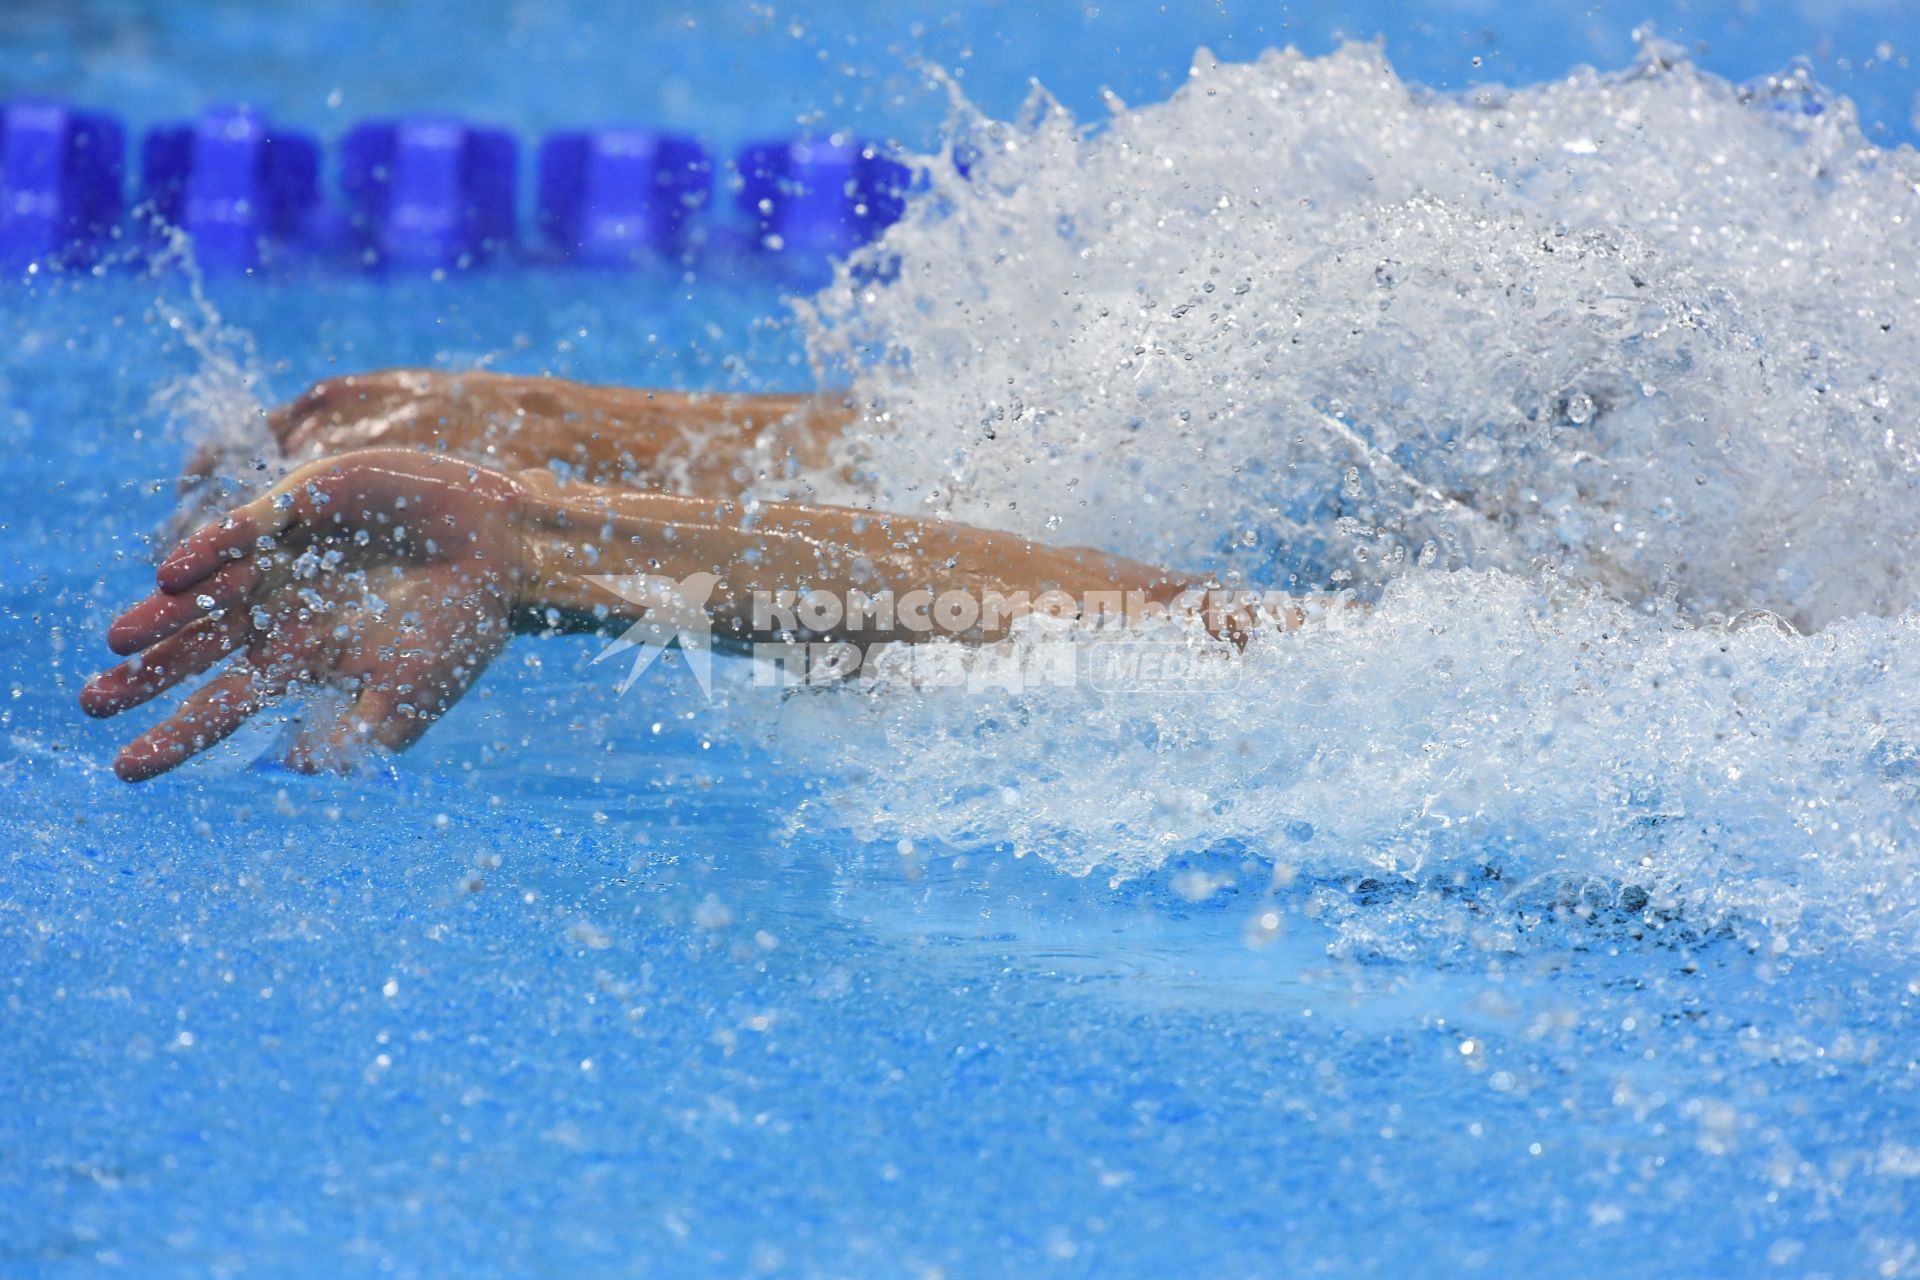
(1306, 319)
(1602, 389)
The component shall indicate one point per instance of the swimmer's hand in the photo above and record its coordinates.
(481, 417)
(604, 434)
(388, 408)
(498, 420)
(388, 573)
(396, 408)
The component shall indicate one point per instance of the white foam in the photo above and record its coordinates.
(1651, 325)
(1628, 354)
(1473, 720)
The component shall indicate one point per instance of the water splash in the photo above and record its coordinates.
(219, 404)
(1633, 355)
(1307, 320)
(1475, 724)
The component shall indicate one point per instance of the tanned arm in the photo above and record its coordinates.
(398, 576)
(604, 434)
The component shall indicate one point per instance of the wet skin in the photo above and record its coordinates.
(394, 566)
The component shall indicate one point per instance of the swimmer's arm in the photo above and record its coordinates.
(397, 575)
(602, 434)
(572, 534)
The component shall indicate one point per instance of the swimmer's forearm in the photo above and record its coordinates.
(573, 533)
(604, 433)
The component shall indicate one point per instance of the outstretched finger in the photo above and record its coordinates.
(178, 657)
(204, 551)
(303, 436)
(299, 423)
(163, 614)
(207, 716)
(379, 717)
(323, 497)
(302, 430)
(236, 535)
(319, 403)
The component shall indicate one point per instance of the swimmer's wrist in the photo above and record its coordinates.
(521, 584)
(554, 561)
(531, 522)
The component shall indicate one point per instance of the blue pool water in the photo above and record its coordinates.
(1558, 917)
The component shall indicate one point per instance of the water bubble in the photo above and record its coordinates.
(1264, 928)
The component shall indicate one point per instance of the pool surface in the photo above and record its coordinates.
(1558, 916)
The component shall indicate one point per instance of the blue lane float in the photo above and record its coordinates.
(234, 183)
(61, 182)
(426, 192)
(609, 196)
(429, 192)
(820, 196)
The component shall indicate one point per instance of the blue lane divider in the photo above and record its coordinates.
(233, 183)
(60, 182)
(610, 195)
(431, 192)
(820, 196)
(427, 191)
